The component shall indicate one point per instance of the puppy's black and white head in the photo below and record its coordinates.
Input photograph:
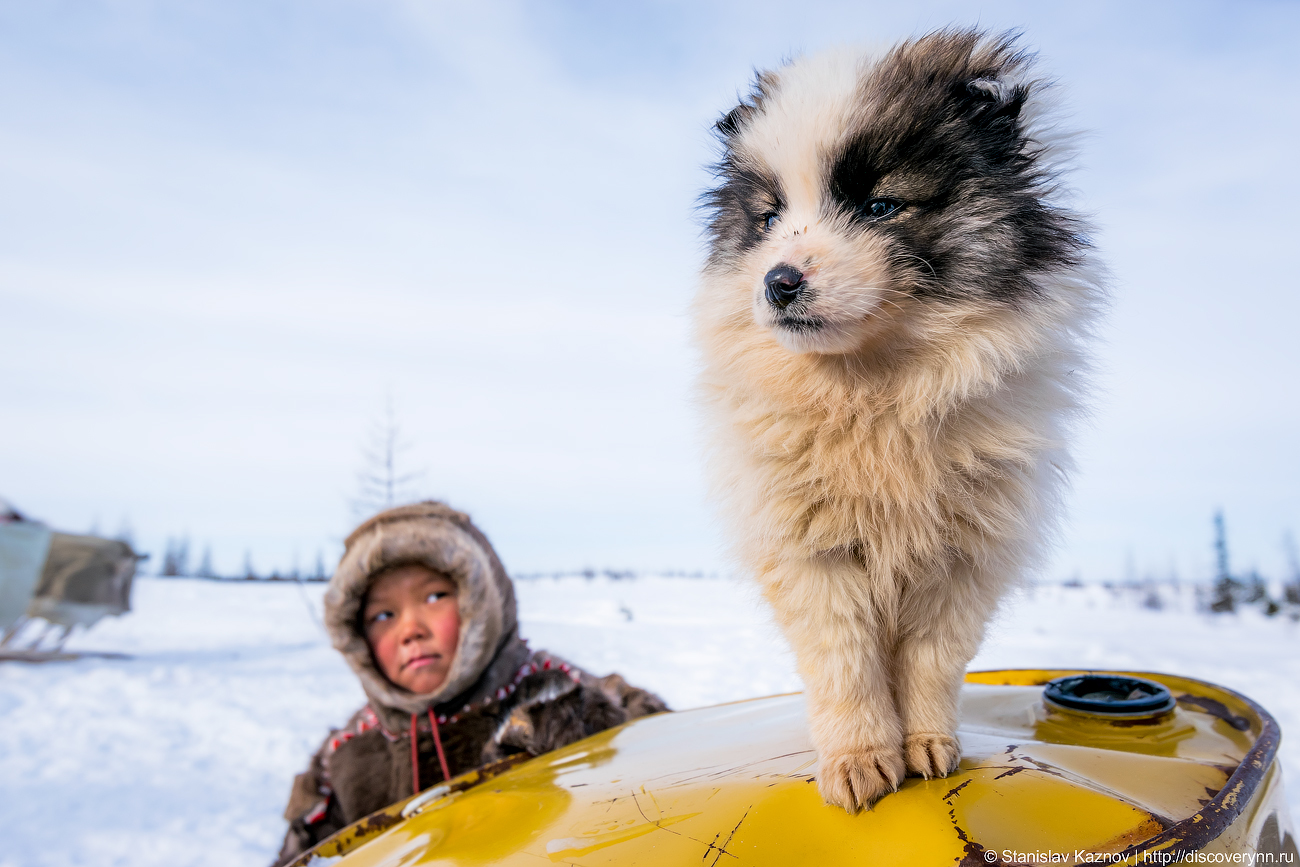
(854, 190)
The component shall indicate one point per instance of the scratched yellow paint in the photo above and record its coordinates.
(733, 785)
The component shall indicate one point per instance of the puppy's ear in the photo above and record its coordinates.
(731, 123)
(988, 99)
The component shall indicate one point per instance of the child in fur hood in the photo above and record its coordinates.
(423, 611)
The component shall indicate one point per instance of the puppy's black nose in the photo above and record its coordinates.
(784, 283)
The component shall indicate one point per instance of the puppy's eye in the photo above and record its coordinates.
(878, 209)
(770, 219)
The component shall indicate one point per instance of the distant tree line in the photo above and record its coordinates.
(612, 574)
(176, 564)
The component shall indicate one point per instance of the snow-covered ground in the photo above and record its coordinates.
(182, 754)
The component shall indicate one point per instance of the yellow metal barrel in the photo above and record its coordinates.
(1039, 782)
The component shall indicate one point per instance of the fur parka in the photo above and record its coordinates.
(499, 698)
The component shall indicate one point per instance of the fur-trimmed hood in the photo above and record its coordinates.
(434, 535)
(499, 699)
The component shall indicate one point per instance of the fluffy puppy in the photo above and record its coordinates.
(890, 320)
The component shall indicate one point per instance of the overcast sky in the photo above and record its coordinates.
(231, 231)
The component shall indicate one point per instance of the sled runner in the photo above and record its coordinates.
(1098, 767)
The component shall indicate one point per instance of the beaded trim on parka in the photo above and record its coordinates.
(369, 720)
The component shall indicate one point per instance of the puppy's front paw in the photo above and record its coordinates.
(931, 755)
(858, 778)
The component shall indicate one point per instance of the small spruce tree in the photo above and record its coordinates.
(383, 482)
(205, 569)
(176, 557)
(1223, 598)
(1291, 586)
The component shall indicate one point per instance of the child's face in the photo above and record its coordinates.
(412, 624)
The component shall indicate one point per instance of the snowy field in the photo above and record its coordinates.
(182, 754)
